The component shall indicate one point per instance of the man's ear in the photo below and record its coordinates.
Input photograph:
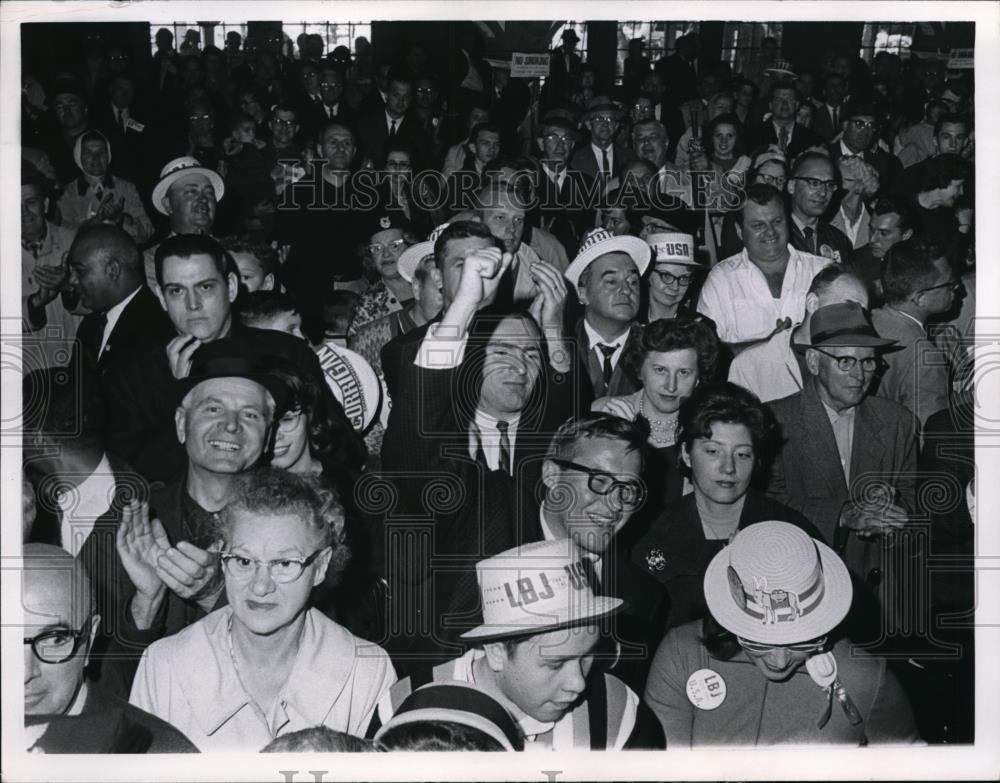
(268, 284)
(113, 269)
(685, 455)
(180, 420)
(165, 203)
(812, 303)
(233, 286)
(550, 474)
(812, 361)
(789, 187)
(496, 655)
(95, 623)
(159, 295)
(539, 142)
(907, 234)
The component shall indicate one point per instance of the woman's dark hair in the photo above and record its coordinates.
(305, 395)
(720, 643)
(728, 118)
(725, 403)
(676, 334)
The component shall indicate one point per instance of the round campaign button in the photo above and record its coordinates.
(706, 689)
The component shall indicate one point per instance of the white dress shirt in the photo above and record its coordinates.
(593, 338)
(82, 505)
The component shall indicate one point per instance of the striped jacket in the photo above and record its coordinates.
(610, 718)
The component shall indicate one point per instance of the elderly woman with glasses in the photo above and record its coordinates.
(389, 292)
(723, 434)
(266, 664)
(767, 666)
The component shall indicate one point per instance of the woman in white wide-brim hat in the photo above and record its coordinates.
(767, 667)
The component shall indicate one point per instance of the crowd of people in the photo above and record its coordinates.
(384, 401)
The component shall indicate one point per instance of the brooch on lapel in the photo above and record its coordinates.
(655, 560)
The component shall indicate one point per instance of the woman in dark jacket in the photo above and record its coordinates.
(724, 431)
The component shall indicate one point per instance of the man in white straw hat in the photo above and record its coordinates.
(535, 654)
(769, 666)
(188, 194)
(606, 274)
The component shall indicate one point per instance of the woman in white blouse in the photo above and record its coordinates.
(267, 664)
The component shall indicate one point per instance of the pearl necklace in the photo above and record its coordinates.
(663, 431)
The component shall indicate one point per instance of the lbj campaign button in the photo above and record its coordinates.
(706, 689)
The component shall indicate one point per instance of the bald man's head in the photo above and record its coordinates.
(106, 266)
(59, 616)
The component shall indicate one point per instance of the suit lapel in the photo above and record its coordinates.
(819, 434)
(868, 448)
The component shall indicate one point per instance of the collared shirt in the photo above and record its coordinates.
(594, 339)
(771, 370)
(190, 681)
(843, 434)
(486, 434)
(736, 295)
(777, 132)
(802, 228)
(598, 157)
(334, 111)
(84, 504)
(557, 178)
(389, 120)
(113, 315)
(851, 230)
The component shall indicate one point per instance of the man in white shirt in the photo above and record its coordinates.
(649, 138)
(760, 291)
(774, 369)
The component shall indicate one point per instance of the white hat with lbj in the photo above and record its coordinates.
(537, 588)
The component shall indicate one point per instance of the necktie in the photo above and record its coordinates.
(33, 247)
(608, 370)
(809, 234)
(836, 118)
(783, 138)
(504, 462)
(605, 165)
(392, 130)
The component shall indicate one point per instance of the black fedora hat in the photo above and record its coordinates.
(231, 357)
(844, 324)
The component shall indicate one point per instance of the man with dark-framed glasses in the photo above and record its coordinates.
(849, 457)
(60, 704)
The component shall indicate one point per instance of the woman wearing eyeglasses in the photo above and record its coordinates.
(389, 292)
(266, 664)
(768, 665)
(723, 435)
(769, 168)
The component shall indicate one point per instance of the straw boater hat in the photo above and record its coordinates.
(181, 167)
(774, 584)
(414, 254)
(534, 589)
(781, 68)
(457, 702)
(843, 324)
(599, 242)
(672, 248)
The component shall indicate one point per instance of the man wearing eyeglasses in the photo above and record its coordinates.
(64, 712)
(849, 457)
(602, 159)
(918, 283)
(566, 196)
(859, 137)
(812, 185)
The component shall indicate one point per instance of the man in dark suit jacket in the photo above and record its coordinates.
(829, 115)
(602, 158)
(860, 137)
(681, 69)
(107, 269)
(394, 122)
(438, 428)
(567, 197)
(849, 458)
(781, 129)
(812, 183)
(606, 276)
(564, 70)
(129, 131)
(331, 107)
